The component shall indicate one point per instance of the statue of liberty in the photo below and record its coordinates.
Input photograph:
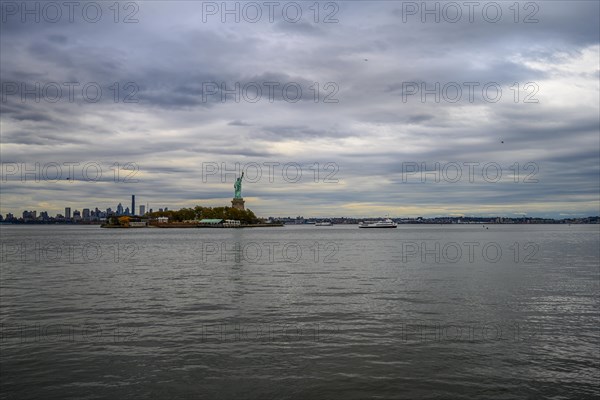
(238, 187)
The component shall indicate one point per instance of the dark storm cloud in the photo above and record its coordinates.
(301, 27)
(232, 150)
(283, 132)
(36, 117)
(558, 22)
(417, 119)
(59, 39)
(238, 123)
(501, 72)
(32, 138)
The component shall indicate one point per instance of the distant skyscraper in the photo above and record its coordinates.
(133, 204)
(68, 212)
(142, 209)
(86, 214)
(120, 209)
(29, 215)
(127, 211)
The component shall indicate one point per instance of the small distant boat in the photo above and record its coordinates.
(325, 223)
(387, 223)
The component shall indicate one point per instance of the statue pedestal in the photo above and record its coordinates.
(238, 204)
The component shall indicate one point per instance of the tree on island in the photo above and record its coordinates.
(199, 212)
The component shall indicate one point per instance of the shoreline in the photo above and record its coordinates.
(176, 225)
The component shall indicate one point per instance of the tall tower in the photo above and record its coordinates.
(133, 204)
(238, 200)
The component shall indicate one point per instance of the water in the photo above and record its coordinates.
(300, 312)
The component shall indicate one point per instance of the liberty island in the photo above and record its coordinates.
(236, 216)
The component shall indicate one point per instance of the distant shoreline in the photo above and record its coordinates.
(176, 225)
(183, 225)
(590, 220)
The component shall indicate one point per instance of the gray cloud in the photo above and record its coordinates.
(176, 125)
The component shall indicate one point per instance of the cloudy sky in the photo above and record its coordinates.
(341, 109)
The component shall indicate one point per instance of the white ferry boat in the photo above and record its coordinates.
(324, 223)
(387, 223)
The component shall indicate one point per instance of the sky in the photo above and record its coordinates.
(350, 108)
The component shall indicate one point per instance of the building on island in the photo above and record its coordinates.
(211, 221)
